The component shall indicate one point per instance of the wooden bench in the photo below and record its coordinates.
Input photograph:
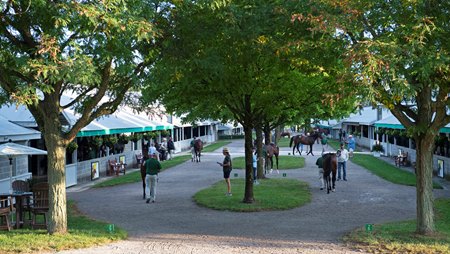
(112, 167)
(40, 205)
(121, 168)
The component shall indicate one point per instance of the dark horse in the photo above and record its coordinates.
(271, 150)
(306, 140)
(329, 171)
(285, 133)
(198, 147)
(143, 174)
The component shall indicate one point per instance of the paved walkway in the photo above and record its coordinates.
(175, 224)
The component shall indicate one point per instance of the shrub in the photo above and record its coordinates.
(377, 148)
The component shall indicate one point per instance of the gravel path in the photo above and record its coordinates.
(175, 224)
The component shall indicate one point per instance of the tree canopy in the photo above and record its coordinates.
(246, 61)
(398, 52)
(96, 50)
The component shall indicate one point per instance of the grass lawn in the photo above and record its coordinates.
(214, 146)
(383, 169)
(83, 233)
(386, 170)
(136, 175)
(284, 162)
(284, 142)
(334, 143)
(270, 194)
(399, 237)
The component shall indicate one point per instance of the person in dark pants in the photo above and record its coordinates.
(153, 167)
(319, 163)
(254, 165)
(342, 162)
(170, 147)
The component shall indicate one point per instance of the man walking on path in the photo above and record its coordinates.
(342, 162)
(351, 145)
(153, 167)
(170, 147)
(192, 148)
(319, 163)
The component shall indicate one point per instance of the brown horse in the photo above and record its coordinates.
(198, 147)
(271, 150)
(329, 171)
(143, 174)
(306, 140)
(285, 133)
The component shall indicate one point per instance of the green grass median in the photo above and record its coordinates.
(270, 194)
(387, 171)
(284, 162)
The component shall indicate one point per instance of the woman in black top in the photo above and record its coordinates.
(226, 165)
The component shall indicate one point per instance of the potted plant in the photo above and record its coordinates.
(377, 149)
(71, 147)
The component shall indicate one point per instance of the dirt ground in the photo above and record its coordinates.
(175, 224)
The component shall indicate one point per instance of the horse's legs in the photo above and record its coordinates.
(143, 187)
(298, 150)
(334, 179)
(310, 150)
(276, 158)
(327, 182)
(266, 165)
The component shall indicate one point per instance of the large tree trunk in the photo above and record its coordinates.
(278, 131)
(57, 223)
(424, 171)
(259, 151)
(267, 138)
(248, 198)
(248, 126)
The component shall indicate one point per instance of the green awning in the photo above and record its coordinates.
(399, 126)
(90, 133)
(323, 126)
(389, 126)
(123, 121)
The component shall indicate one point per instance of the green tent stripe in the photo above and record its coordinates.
(91, 133)
(323, 126)
(399, 126)
(390, 126)
(445, 130)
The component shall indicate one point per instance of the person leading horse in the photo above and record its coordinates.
(329, 170)
(198, 147)
(271, 151)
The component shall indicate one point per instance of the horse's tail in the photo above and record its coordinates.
(290, 142)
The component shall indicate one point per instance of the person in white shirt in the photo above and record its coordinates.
(163, 149)
(254, 165)
(152, 151)
(342, 163)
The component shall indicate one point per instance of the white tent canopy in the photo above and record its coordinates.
(12, 150)
(14, 132)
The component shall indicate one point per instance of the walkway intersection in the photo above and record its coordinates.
(175, 224)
